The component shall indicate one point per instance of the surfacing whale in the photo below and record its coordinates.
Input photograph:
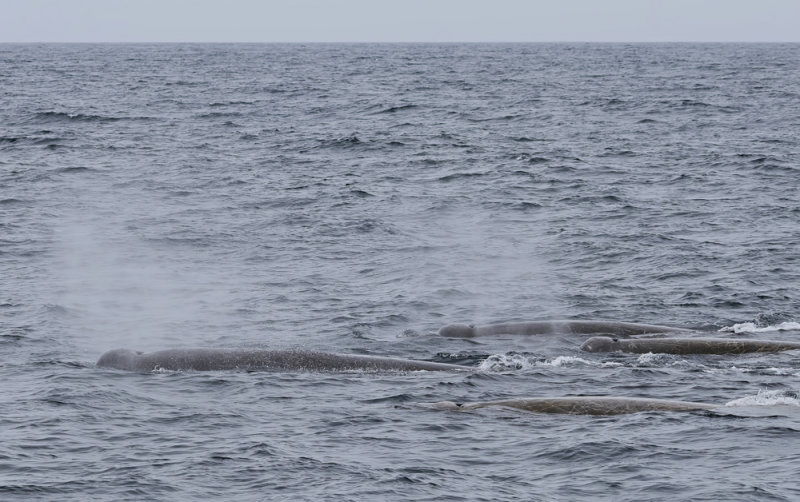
(581, 405)
(616, 328)
(685, 345)
(287, 360)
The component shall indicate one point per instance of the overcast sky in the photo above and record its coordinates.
(398, 20)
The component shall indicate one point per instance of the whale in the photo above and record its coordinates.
(685, 345)
(577, 327)
(285, 360)
(580, 405)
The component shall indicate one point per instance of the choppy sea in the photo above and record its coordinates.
(355, 198)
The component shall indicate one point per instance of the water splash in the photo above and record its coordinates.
(505, 362)
(751, 327)
(767, 398)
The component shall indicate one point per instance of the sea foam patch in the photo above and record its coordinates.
(767, 398)
(503, 362)
(751, 327)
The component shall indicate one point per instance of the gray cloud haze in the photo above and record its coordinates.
(398, 21)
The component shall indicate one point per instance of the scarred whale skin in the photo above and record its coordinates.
(288, 360)
(616, 328)
(685, 345)
(581, 405)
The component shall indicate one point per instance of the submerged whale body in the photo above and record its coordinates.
(557, 327)
(686, 345)
(581, 405)
(287, 360)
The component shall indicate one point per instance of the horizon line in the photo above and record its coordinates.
(443, 42)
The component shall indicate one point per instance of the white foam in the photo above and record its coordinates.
(500, 362)
(660, 360)
(159, 369)
(772, 371)
(781, 371)
(766, 398)
(567, 361)
(506, 362)
(750, 327)
(650, 358)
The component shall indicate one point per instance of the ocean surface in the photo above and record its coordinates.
(356, 198)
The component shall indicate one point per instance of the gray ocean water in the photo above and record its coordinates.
(355, 198)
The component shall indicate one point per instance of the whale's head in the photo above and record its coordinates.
(600, 344)
(458, 331)
(122, 359)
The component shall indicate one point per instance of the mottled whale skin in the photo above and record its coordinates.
(286, 360)
(622, 329)
(581, 405)
(685, 345)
